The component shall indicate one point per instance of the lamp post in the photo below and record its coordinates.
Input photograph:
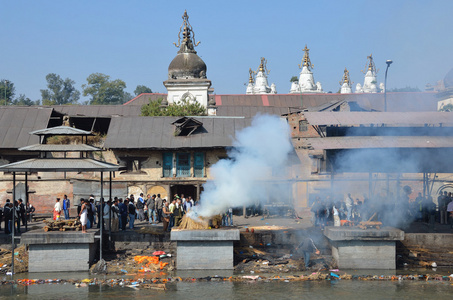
(388, 62)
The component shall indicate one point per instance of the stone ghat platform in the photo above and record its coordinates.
(57, 251)
(204, 249)
(355, 248)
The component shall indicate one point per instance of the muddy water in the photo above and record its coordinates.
(341, 289)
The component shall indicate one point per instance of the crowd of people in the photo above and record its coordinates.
(121, 214)
(22, 214)
(389, 210)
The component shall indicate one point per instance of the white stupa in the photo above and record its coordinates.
(346, 83)
(258, 80)
(306, 82)
(370, 82)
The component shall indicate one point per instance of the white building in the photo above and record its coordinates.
(306, 82)
(346, 83)
(370, 82)
(258, 84)
(187, 72)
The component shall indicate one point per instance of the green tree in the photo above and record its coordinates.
(178, 109)
(447, 108)
(59, 91)
(103, 90)
(294, 78)
(7, 92)
(22, 100)
(140, 89)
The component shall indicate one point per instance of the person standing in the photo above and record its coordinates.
(140, 208)
(450, 212)
(349, 202)
(57, 210)
(7, 217)
(151, 204)
(123, 213)
(165, 215)
(22, 214)
(307, 246)
(171, 208)
(66, 206)
(30, 212)
(115, 215)
(159, 207)
(106, 214)
(131, 210)
(84, 214)
(16, 211)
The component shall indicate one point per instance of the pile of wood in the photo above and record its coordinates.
(370, 224)
(191, 223)
(63, 225)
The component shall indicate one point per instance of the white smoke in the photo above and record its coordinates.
(238, 180)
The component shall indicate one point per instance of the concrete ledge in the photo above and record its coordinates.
(205, 235)
(58, 237)
(345, 233)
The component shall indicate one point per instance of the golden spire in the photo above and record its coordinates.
(263, 66)
(188, 42)
(370, 66)
(306, 60)
(345, 78)
(251, 76)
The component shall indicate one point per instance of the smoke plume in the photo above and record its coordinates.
(257, 151)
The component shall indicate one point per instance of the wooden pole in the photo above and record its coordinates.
(101, 219)
(13, 225)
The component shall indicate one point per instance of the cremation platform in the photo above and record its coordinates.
(56, 251)
(355, 248)
(204, 249)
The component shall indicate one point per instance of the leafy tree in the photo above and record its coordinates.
(7, 92)
(103, 90)
(140, 89)
(448, 108)
(22, 100)
(127, 96)
(294, 78)
(178, 109)
(59, 91)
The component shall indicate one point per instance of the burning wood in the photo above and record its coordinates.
(62, 225)
(194, 222)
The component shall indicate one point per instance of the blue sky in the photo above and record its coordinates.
(133, 40)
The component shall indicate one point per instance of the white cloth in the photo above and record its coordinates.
(450, 207)
(84, 217)
(57, 206)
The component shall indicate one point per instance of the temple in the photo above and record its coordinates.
(346, 83)
(370, 82)
(306, 82)
(258, 84)
(187, 79)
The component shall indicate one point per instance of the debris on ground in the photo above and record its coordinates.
(20, 260)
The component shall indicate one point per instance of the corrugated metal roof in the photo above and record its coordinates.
(396, 102)
(17, 122)
(158, 133)
(61, 130)
(98, 111)
(363, 142)
(59, 165)
(379, 118)
(60, 148)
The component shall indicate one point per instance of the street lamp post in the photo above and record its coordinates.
(6, 86)
(388, 62)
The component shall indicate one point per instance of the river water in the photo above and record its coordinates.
(339, 289)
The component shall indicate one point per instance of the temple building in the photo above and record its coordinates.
(306, 82)
(258, 83)
(187, 72)
(345, 83)
(370, 82)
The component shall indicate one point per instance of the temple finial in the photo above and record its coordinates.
(187, 44)
(263, 66)
(306, 60)
(345, 78)
(370, 66)
(251, 74)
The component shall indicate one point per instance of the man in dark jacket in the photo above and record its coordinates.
(307, 246)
